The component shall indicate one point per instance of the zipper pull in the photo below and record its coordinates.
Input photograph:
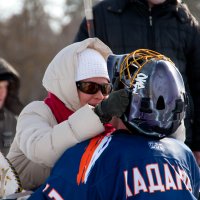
(150, 20)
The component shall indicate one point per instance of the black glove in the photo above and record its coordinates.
(114, 105)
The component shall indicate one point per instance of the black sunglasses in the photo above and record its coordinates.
(93, 88)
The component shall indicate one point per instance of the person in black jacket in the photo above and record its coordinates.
(10, 105)
(166, 26)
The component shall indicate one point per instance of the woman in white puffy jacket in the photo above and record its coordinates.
(45, 129)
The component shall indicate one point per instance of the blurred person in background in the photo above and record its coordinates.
(166, 26)
(10, 105)
(76, 80)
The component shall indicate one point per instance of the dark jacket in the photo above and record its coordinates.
(169, 28)
(12, 106)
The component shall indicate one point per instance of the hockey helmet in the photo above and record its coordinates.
(158, 98)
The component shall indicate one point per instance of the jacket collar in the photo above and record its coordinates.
(119, 5)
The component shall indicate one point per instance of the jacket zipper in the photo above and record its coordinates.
(151, 32)
(150, 18)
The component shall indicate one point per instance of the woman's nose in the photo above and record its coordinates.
(100, 95)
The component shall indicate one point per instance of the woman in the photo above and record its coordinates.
(10, 105)
(76, 79)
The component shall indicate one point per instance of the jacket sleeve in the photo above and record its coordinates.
(194, 84)
(82, 32)
(43, 141)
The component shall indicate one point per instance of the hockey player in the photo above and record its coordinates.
(140, 160)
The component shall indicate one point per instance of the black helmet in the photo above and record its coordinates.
(157, 93)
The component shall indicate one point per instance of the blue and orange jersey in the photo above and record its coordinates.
(122, 166)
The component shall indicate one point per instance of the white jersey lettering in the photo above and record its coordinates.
(153, 173)
(169, 181)
(128, 190)
(138, 182)
(183, 178)
(53, 194)
(46, 187)
(149, 179)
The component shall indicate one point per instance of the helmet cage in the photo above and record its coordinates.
(134, 62)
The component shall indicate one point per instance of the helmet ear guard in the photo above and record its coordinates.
(158, 98)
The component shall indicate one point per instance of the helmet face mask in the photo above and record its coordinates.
(158, 94)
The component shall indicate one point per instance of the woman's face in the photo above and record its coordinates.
(3, 92)
(155, 2)
(92, 99)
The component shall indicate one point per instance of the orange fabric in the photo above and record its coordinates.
(87, 156)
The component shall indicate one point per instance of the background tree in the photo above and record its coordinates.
(29, 44)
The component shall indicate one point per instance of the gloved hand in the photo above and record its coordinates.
(114, 105)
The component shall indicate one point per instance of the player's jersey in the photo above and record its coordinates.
(123, 166)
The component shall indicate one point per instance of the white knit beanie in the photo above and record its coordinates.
(91, 64)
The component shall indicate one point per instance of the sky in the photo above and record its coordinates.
(53, 7)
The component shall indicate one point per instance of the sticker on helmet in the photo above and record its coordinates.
(139, 82)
